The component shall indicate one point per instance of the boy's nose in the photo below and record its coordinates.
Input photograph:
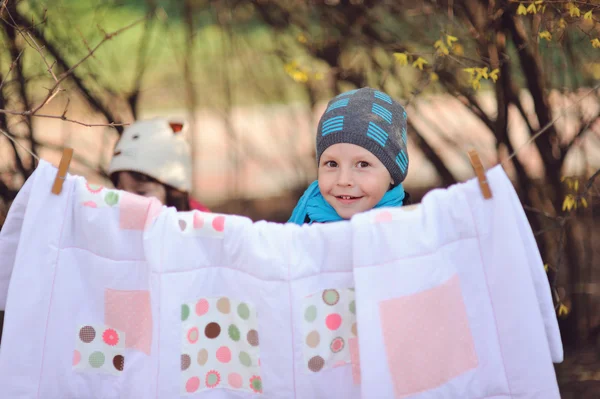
(345, 178)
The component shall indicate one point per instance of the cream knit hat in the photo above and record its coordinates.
(157, 148)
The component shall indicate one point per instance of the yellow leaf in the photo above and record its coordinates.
(300, 76)
(302, 38)
(451, 39)
(494, 75)
(522, 10)
(458, 49)
(574, 11)
(546, 268)
(596, 43)
(401, 58)
(563, 310)
(545, 35)
(562, 179)
(539, 2)
(434, 77)
(562, 24)
(532, 8)
(419, 63)
(568, 203)
(576, 185)
(470, 71)
(584, 202)
(442, 49)
(482, 72)
(476, 84)
(588, 15)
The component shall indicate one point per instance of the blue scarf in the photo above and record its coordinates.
(318, 209)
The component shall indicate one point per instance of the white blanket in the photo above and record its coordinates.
(111, 295)
(453, 294)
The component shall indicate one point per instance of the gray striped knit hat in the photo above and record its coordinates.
(370, 119)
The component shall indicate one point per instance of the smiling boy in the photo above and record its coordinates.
(361, 156)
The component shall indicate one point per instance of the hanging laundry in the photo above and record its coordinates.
(112, 295)
(452, 299)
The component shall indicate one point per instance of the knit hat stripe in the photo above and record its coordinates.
(382, 112)
(377, 134)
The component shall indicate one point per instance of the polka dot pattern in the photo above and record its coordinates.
(243, 311)
(212, 330)
(198, 220)
(182, 224)
(313, 339)
(202, 307)
(256, 384)
(76, 357)
(310, 314)
(213, 378)
(253, 337)
(223, 305)
(202, 357)
(333, 321)
(234, 380)
(245, 359)
(119, 362)
(329, 321)
(234, 333)
(192, 385)
(110, 337)
(224, 354)
(337, 345)
(99, 348)
(87, 334)
(97, 359)
(111, 198)
(316, 363)
(185, 312)
(225, 350)
(193, 335)
(186, 361)
(331, 297)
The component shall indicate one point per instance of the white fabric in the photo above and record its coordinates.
(149, 282)
(407, 259)
(154, 148)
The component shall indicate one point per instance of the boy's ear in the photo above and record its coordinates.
(176, 126)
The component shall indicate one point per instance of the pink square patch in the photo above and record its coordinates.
(355, 359)
(137, 212)
(130, 312)
(427, 338)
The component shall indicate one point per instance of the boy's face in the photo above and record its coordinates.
(352, 179)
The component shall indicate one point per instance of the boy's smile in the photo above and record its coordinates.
(352, 179)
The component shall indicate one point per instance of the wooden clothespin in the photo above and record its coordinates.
(480, 173)
(63, 168)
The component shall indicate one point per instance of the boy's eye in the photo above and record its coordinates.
(362, 164)
(331, 164)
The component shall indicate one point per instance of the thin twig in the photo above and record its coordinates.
(551, 123)
(41, 53)
(62, 117)
(55, 89)
(19, 144)
(10, 68)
